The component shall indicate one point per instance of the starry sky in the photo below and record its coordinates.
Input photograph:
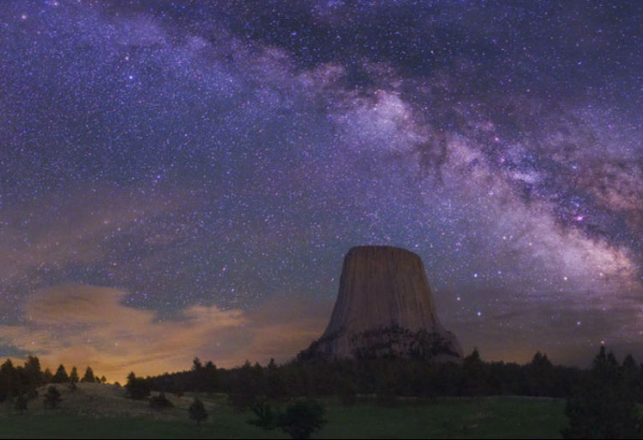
(183, 178)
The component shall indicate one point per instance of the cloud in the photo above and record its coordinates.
(89, 325)
(59, 229)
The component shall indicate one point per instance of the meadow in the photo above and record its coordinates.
(100, 411)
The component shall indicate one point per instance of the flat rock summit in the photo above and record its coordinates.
(384, 309)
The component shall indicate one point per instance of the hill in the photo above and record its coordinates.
(96, 400)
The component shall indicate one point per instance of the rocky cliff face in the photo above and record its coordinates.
(384, 309)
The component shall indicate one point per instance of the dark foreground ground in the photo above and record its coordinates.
(97, 414)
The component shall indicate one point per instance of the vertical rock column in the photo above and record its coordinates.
(385, 301)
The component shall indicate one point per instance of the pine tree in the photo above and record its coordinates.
(88, 377)
(210, 377)
(73, 378)
(275, 387)
(47, 376)
(137, 387)
(246, 386)
(8, 380)
(474, 375)
(32, 372)
(196, 364)
(61, 375)
(632, 381)
(540, 376)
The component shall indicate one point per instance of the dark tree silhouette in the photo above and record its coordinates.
(197, 364)
(388, 378)
(61, 375)
(275, 386)
(209, 377)
(266, 417)
(47, 376)
(631, 378)
(32, 373)
(197, 411)
(137, 387)
(73, 379)
(9, 384)
(73, 376)
(204, 377)
(540, 374)
(88, 377)
(604, 406)
(52, 398)
(474, 375)
(246, 385)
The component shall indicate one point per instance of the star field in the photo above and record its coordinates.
(176, 161)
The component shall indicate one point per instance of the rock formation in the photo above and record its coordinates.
(384, 309)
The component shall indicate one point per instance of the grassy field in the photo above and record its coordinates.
(99, 411)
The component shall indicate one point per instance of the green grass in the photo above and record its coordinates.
(450, 418)
(501, 417)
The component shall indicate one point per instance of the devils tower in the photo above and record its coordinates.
(384, 309)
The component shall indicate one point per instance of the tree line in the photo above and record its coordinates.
(601, 401)
(23, 381)
(384, 378)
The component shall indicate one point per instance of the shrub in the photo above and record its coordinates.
(160, 402)
(302, 419)
(266, 418)
(197, 411)
(52, 398)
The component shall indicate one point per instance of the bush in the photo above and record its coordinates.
(160, 402)
(266, 418)
(197, 411)
(302, 419)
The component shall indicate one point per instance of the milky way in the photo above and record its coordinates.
(205, 166)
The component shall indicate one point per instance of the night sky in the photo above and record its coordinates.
(183, 178)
